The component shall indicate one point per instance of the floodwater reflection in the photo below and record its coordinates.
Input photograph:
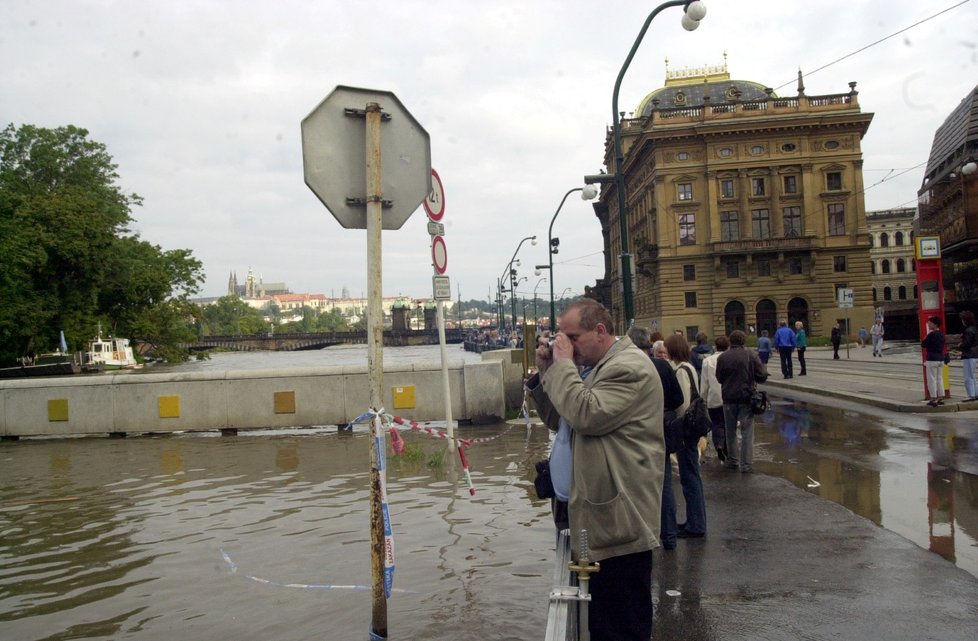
(914, 475)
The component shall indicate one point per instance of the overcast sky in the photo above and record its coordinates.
(200, 104)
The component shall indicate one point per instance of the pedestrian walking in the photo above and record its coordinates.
(784, 342)
(738, 372)
(836, 341)
(933, 345)
(764, 346)
(876, 331)
(711, 390)
(863, 336)
(801, 344)
(969, 354)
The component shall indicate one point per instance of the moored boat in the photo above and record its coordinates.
(111, 353)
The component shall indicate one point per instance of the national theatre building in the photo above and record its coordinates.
(743, 208)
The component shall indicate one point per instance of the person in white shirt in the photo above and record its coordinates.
(710, 390)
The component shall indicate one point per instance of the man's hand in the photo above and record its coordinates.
(562, 347)
(544, 354)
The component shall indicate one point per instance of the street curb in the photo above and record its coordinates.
(893, 406)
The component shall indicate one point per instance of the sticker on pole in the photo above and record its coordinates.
(439, 254)
(442, 287)
(434, 204)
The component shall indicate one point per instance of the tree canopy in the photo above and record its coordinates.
(68, 259)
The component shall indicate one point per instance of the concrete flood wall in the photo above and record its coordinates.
(127, 402)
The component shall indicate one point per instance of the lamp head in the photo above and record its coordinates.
(589, 192)
(969, 168)
(695, 11)
(537, 272)
(533, 240)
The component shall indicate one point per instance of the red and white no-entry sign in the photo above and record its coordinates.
(439, 254)
(434, 204)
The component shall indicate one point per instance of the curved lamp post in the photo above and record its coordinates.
(536, 319)
(509, 266)
(693, 12)
(512, 299)
(588, 192)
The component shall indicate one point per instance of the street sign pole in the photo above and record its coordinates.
(375, 364)
(434, 206)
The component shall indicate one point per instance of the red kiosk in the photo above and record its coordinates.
(930, 289)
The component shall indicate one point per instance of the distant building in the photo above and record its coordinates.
(891, 239)
(254, 288)
(948, 203)
(743, 207)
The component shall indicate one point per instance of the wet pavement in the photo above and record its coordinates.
(782, 562)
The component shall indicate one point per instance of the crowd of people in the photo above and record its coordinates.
(610, 401)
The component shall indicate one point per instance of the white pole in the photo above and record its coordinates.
(446, 387)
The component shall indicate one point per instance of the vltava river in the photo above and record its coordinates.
(198, 536)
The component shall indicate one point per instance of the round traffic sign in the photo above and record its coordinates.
(434, 204)
(439, 254)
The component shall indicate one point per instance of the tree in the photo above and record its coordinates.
(230, 316)
(67, 258)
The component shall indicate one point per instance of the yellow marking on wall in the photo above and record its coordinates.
(404, 398)
(58, 409)
(284, 402)
(169, 407)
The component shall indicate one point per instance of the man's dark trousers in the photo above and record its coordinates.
(621, 593)
(786, 365)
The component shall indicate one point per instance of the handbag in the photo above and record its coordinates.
(758, 402)
(689, 426)
(543, 483)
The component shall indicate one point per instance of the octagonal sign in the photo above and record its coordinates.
(334, 157)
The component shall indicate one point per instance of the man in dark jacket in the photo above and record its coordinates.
(738, 371)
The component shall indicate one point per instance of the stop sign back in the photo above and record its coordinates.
(334, 157)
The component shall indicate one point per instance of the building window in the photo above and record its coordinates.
(898, 238)
(794, 266)
(682, 155)
(901, 265)
(687, 229)
(757, 187)
(791, 184)
(902, 293)
(872, 267)
(685, 191)
(729, 226)
(886, 267)
(839, 263)
(690, 299)
(833, 180)
(726, 152)
(788, 147)
(689, 272)
(874, 295)
(733, 269)
(763, 268)
(726, 188)
(792, 222)
(887, 293)
(832, 144)
(884, 240)
(692, 330)
(757, 149)
(760, 223)
(837, 219)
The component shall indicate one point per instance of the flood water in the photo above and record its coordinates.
(199, 536)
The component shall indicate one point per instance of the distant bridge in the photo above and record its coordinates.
(318, 340)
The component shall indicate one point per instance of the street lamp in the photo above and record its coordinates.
(509, 267)
(536, 319)
(515, 282)
(693, 13)
(588, 192)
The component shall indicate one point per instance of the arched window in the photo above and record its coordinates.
(874, 295)
(887, 294)
(872, 266)
(886, 266)
(767, 316)
(884, 240)
(898, 238)
(733, 316)
(797, 311)
(902, 293)
(915, 291)
(901, 265)
(913, 265)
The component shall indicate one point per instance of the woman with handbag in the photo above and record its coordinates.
(688, 456)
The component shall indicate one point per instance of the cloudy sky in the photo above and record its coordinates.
(200, 102)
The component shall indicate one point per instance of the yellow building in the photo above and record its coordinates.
(743, 207)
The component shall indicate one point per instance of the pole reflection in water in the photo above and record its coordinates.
(914, 475)
(104, 538)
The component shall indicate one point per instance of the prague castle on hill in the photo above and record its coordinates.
(744, 207)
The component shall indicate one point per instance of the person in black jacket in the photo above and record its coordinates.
(969, 354)
(933, 345)
(836, 341)
(738, 371)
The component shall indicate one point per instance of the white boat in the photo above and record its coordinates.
(110, 353)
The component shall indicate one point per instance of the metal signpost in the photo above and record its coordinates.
(369, 161)
(434, 206)
(846, 300)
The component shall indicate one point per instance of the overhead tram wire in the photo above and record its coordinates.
(873, 44)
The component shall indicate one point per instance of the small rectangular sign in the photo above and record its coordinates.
(435, 229)
(442, 286)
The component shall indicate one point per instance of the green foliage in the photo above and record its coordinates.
(67, 257)
(231, 316)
